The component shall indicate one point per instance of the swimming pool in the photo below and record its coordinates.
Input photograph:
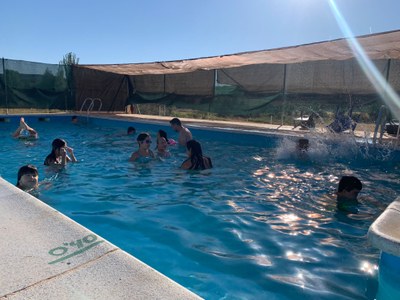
(261, 224)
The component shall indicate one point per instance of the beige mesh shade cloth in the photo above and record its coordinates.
(377, 46)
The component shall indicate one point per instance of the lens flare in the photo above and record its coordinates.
(383, 88)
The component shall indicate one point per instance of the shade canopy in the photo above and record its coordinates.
(376, 46)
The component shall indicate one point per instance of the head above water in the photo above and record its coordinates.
(143, 139)
(162, 134)
(194, 148)
(57, 144)
(162, 144)
(175, 121)
(303, 144)
(27, 177)
(131, 130)
(349, 187)
(74, 119)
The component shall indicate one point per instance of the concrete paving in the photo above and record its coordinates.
(253, 126)
(46, 255)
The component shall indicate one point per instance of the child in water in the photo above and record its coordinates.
(348, 190)
(162, 134)
(28, 178)
(58, 155)
(24, 131)
(162, 148)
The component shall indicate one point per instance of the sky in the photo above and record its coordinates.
(133, 31)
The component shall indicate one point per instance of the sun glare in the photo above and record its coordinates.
(384, 89)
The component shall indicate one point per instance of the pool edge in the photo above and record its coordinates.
(35, 266)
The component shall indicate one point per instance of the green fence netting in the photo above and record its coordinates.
(267, 92)
(30, 85)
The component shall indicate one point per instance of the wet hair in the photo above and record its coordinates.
(196, 155)
(349, 183)
(141, 137)
(175, 121)
(25, 170)
(74, 118)
(303, 144)
(131, 130)
(163, 134)
(55, 145)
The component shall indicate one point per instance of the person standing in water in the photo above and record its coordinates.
(184, 134)
(162, 148)
(196, 160)
(58, 155)
(143, 153)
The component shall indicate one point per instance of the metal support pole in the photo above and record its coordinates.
(284, 93)
(5, 84)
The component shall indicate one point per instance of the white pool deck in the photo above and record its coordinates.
(251, 126)
(46, 255)
(384, 233)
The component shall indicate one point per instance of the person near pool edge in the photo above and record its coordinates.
(28, 178)
(143, 153)
(348, 190)
(184, 134)
(196, 160)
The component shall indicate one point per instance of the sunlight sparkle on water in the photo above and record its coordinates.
(368, 267)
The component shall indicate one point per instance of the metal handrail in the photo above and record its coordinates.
(380, 122)
(84, 102)
(91, 105)
(100, 103)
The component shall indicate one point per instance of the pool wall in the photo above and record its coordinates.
(384, 234)
(46, 255)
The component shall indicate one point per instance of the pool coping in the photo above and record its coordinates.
(384, 232)
(46, 255)
(253, 127)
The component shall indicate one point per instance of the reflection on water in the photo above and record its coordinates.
(262, 224)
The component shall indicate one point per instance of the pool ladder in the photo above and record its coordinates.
(380, 122)
(91, 102)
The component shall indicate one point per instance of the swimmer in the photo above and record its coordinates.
(28, 178)
(184, 134)
(131, 130)
(162, 148)
(348, 190)
(196, 160)
(58, 155)
(162, 134)
(24, 131)
(302, 145)
(143, 153)
(302, 148)
(74, 120)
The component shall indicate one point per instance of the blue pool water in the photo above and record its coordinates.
(262, 224)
